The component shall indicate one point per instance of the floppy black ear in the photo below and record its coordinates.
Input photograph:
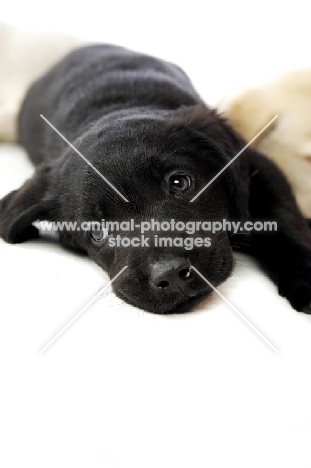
(229, 143)
(237, 173)
(32, 202)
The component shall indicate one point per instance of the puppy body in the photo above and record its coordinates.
(288, 141)
(96, 87)
(139, 121)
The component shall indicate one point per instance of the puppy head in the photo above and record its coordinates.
(288, 140)
(159, 162)
(250, 112)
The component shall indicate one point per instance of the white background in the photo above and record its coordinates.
(123, 388)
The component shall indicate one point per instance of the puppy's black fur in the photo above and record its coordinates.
(138, 120)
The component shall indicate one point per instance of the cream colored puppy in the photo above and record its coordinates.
(24, 56)
(288, 141)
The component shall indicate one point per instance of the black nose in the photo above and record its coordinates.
(171, 274)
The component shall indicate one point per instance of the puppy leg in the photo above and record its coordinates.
(288, 251)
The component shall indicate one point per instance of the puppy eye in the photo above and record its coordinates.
(99, 234)
(180, 183)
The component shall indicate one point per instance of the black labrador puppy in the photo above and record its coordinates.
(141, 124)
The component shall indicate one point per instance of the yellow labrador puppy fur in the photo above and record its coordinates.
(25, 55)
(288, 141)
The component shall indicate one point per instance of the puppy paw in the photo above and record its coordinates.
(295, 283)
(13, 229)
(16, 237)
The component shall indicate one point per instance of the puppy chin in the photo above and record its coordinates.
(179, 305)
